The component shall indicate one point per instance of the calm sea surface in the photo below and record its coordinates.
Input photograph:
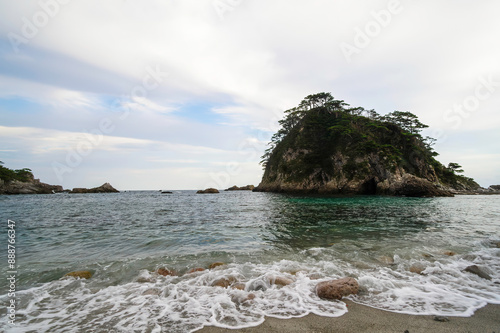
(124, 238)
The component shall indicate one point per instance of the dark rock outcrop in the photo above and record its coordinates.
(336, 289)
(33, 186)
(104, 188)
(207, 191)
(243, 188)
(474, 269)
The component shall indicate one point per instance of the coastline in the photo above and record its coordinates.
(361, 318)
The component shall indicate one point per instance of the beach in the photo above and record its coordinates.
(362, 318)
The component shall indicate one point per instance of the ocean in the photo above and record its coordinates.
(123, 238)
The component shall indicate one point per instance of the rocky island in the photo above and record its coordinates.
(325, 146)
(104, 188)
(242, 188)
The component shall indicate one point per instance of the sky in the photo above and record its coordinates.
(185, 94)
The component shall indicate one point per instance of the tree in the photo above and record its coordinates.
(406, 120)
(455, 167)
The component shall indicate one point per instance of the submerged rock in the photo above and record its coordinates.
(417, 268)
(474, 269)
(166, 272)
(279, 280)
(194, 270)
(208, 190)
(386, 260)
(152, 291)
(215, 264)
(449, 253)
(79, 274)
(239, 286)
(242, 299)
(224, 282)
(336, 289)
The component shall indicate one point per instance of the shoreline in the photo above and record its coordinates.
(362, 318)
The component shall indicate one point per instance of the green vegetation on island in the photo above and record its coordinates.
(8, 175)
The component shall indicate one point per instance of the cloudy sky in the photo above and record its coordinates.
(185, 94)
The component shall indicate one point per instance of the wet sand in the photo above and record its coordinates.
(365, 319)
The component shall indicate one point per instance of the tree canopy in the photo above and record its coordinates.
(22, 175)
(325, 103)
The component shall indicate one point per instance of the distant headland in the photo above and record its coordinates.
(23, 181)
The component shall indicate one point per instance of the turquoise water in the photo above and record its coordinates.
(123, 238)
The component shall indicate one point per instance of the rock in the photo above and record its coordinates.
(166, 272)
(412, 186)
(208, 190)
(441, 319)
(152, 291)
(104, 188)
(33, 186)
(194, 270)
(449, 253)
(80, 274)
(166, 192)
(243, 188)
(417, 268)
(495, 187)
(242, 299)
(336, 289)
(279, 280)
(386, 260)
(315, 276)
(224, 282)
(215, 264)
(239, 286)
(145, 279)
(478, 271)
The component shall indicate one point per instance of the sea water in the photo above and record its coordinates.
(124, 238)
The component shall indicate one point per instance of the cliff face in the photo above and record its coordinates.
(31, 187)
(337, 152)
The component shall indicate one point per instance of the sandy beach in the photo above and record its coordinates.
(365, 319)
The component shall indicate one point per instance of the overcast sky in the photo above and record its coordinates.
(185, 94)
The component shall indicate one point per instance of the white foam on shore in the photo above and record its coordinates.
(154, 303)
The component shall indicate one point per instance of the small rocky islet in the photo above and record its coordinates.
(326, 147)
